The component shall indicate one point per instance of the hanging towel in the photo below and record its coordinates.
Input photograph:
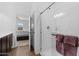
(71, 40)
(70, 50)
(78, 42)
(59, 43)
(59, 37)
(60, 47)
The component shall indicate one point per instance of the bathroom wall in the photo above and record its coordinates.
(66, 15)
(7, 20)
(23, 9)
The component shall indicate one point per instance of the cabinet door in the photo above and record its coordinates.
(10, 41)
(4, 44)
(8, 47)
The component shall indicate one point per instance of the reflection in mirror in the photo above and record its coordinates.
(20, 26)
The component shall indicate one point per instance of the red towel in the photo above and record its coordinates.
(78, 42)
(67, 45)
(71, 40)
(59, 37)
(70, 50)
(60, 47)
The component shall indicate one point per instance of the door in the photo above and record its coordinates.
(4, 45)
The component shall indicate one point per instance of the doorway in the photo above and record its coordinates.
(22, 31)
(22, 34)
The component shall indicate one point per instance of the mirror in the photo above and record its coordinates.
(19, 26)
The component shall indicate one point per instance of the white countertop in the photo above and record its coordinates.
(4, 34)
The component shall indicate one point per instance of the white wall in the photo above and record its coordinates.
(23, 8)
(7, 20)
(67, 17)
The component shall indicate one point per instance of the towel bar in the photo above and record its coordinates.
(53, 34)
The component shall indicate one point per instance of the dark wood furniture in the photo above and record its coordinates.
(5, 44)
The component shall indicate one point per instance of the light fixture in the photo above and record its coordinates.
(58, 15)
(21, 18)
